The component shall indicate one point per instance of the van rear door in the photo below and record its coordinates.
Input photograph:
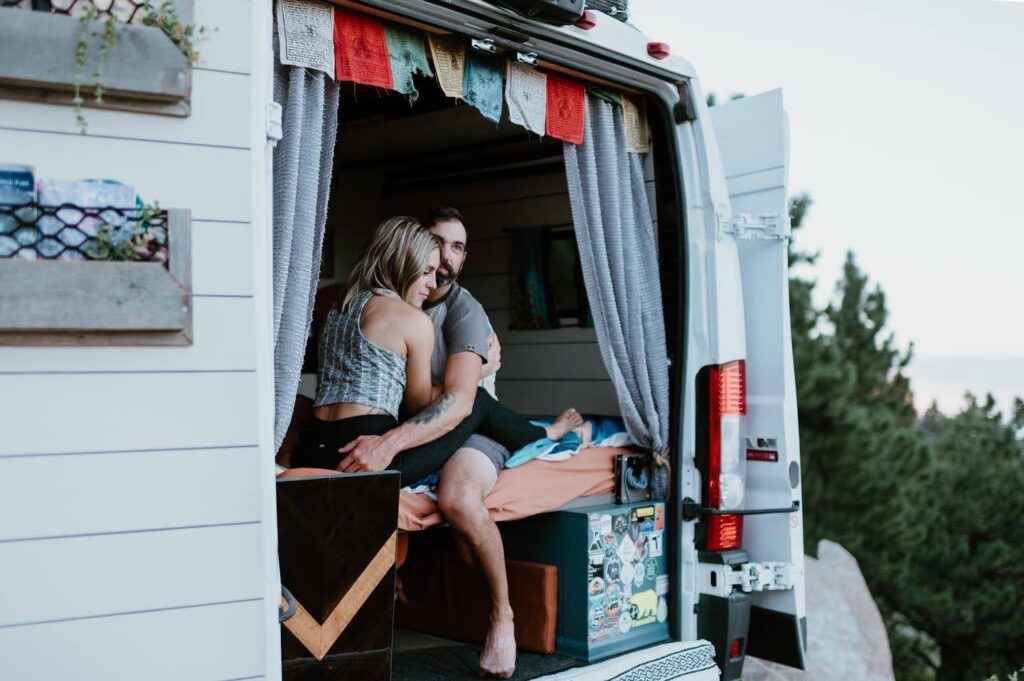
(753, 141)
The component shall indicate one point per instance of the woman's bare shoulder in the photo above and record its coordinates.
(409, 319)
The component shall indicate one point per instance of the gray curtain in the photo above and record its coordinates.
(303, 160)
(618, 250)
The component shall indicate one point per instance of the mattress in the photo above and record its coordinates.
(535, 487)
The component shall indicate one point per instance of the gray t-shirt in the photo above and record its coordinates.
(460, 325)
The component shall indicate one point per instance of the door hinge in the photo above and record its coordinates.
(765, 226)
(483, 45)
(762, 576)
(274, 130)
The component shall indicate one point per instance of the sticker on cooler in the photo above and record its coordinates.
(643, 607)
(655, 544)
(627, 550)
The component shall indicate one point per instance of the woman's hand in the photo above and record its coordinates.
(493, 357)
(366, 453)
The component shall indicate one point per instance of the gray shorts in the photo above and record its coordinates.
(494, 451)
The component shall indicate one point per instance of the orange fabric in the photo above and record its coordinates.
(535, 487)
(445, 597)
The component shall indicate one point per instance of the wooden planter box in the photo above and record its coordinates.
(144, 70)
(55, 302)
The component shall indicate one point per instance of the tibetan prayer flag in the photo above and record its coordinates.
(306, 32)
(360, 49)
(526, 94)
(449, 53)
(607, 95)
(482, 86)
(565, 115)
(634, 119)
(408, 55)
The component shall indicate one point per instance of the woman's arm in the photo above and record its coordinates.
(419, 347)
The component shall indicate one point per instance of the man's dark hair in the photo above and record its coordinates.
(440, 214)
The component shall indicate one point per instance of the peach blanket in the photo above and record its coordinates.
(534, 487)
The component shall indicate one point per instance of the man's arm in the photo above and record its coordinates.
(375, 452)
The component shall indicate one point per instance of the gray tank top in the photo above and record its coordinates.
(353, 369)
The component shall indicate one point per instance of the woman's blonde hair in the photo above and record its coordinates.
(397, 254)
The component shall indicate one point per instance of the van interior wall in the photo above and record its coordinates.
(501, 178)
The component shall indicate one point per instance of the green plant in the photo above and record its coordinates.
(132, 241)
(186, 37)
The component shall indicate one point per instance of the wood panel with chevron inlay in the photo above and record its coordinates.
(336, 538)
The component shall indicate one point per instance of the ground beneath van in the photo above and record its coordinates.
(419, 657)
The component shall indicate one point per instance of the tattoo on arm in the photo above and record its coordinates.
(435, 410)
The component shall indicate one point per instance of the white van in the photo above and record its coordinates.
(138, 534)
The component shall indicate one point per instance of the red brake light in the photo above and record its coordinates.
(725, 532)
(727, 402)
(587, 21)
(729, 390)
(658, 50)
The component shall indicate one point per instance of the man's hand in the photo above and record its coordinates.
(366, 453)
(493, 357)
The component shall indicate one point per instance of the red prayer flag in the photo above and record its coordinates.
(360, 49)
(566, 99)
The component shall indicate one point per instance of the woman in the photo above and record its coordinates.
(374, 362)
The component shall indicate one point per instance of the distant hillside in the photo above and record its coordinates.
(946, 379)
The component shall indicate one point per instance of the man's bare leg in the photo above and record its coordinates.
(466, 479)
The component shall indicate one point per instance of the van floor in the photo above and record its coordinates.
(422, 657)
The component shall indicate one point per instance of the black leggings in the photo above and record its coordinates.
(322, 440)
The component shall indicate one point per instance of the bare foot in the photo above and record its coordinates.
(498, 658)
(566, 421)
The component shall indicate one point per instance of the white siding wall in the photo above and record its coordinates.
(135, 532)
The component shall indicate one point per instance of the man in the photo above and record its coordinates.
(464, 342)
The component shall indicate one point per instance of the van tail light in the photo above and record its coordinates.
(587, 20)
(658, 50)
(725, 532)
(726, 473)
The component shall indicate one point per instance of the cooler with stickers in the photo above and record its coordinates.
(612, 574)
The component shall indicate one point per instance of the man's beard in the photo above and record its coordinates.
(445, 279)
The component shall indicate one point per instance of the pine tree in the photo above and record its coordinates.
(966, 580)
(931, 508)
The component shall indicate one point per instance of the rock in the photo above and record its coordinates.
(846, 639)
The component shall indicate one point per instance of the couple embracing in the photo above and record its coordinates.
(402, 358)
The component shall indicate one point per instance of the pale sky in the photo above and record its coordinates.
(907, 128)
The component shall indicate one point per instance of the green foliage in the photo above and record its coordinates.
(186, 37)
(968, 575)
(134, 240)
(930, 507)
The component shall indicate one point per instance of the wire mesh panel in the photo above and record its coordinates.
(127, 11)
(70, 232)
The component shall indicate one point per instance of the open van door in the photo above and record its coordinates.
(753, 142)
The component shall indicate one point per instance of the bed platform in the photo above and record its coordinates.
(587, 479)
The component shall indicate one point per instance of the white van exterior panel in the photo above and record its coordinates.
(104, 449)
(102, 412)
(218, 324)
(51, 496)
(206, 643)
(67, 578)
(615, 36)
(753, 134)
